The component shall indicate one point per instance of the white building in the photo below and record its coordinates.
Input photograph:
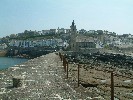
(3, 46)
(37, 43)
(91, 31)
(52, 31)
(68, 30)
(62, 30)
(82, 31)
(44, 32)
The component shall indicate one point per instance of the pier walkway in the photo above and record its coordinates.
(44, 79)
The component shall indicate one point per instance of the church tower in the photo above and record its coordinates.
(73, 28)
(73, 36)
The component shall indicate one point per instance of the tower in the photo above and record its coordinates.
(73, 28)
(58, 30)
(73, 36)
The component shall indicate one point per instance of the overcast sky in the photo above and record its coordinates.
(112, 15)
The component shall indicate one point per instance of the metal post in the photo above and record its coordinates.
(67, 68)
(78, 75)
(64, 63)
(112, 86)
(61, 57)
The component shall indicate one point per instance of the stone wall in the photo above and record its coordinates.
(3, 53)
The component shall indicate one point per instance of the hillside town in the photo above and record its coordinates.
(69, 39)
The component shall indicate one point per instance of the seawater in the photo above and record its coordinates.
(6, 62)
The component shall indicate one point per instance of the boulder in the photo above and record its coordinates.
(18, 81)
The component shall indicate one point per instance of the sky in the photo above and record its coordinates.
(112, 15)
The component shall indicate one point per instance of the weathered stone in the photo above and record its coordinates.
(18, 81)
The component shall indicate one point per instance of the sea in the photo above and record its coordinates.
(6, 62)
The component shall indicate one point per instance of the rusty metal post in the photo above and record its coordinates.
(59, 54)
(64, 63)
(78, 75)
(112, 86)
(67, 68)
(61, 57)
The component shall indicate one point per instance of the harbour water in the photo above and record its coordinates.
(6, 62)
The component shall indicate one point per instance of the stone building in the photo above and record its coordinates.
(78, 42)
(86, 44)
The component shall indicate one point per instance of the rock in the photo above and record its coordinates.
(127, 81)
(18, 81)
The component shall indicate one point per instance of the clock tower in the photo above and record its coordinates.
(73, 36)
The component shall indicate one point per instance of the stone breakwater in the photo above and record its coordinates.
(3, 53)
(44, 79)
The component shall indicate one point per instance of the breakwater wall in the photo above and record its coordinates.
(43, 78)
(29, 52)
(3, 53)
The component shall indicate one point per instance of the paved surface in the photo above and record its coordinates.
(44, 80)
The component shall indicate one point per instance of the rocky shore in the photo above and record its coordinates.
(95, 73)
(97, 79)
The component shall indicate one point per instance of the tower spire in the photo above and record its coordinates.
(73, 23)
(73, 28)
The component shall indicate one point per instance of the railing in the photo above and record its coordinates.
(112, 74)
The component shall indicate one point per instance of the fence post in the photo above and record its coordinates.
(78, 75)
(67, 68)
(59, 54)
(64, 63)
(61, 57)
(112, 86)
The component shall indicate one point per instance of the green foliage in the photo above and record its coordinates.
(106, 46)
(49, 36)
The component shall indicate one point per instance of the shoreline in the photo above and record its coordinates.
(3, 53)
(22, 57)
